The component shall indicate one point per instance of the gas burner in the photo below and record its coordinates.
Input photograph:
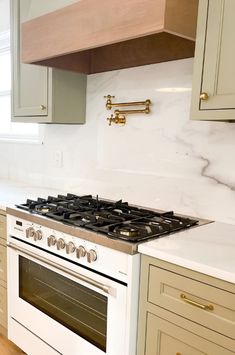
(116, 220)
(127, 231)
(135, 230)
(42, 209)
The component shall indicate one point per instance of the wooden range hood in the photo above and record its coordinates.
(93, 36)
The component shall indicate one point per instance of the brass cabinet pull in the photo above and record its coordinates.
(42, 107)
(178, 353)
(204, 96)
(208, 307)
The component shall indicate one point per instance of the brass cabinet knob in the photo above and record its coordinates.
(204, 96)
(42, 107)
(178, 353)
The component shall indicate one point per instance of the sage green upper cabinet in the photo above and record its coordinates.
(213, 96)
(40, 94)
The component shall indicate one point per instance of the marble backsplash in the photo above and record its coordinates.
(162, 160)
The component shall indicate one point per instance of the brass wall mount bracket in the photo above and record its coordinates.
(119, 116)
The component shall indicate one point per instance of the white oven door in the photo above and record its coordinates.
(68, 308)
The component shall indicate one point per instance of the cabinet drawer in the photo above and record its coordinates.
(3, 232)
(3, 263)
(3, 307)
(197, 301)
(166, 338)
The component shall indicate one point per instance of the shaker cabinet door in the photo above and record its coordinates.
(38, 93)
(29, 82)
(214, 70)
(166, 338)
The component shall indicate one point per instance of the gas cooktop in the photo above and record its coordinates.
(117, 220)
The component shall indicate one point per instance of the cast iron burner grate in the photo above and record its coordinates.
(116, 220)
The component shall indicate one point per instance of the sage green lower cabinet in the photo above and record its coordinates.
(183, 312)
(39, 94)
(3, 275)
(166, 338)
(213, 92)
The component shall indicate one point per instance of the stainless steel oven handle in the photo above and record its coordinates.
(86, 279)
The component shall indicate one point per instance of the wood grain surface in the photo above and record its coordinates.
(9, 348)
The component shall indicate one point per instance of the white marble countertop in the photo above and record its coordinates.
(12, 193)
(209, 249)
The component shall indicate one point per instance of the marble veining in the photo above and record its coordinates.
(162, 160)
(205, 171)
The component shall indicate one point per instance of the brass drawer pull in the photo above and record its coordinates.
(208, 307)
(178, 353)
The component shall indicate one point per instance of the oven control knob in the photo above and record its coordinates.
(30, 232)
(80, 252)
(70, 248)
(91, 256)
(51, 240)
(38, 235)
(60, 244)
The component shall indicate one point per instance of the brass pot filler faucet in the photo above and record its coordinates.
(119, 116)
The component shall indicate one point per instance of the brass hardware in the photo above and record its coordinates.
(117, 119)
(42, 107)
(208, 307)
(129, 112)
(109, 103)
(204, 96)
(178, 353)
(119, 115)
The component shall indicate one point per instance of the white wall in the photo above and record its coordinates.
(5, 20)
(161, 160)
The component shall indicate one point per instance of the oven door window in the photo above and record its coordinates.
(78, 308)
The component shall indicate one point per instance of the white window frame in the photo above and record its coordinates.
(11, 137)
